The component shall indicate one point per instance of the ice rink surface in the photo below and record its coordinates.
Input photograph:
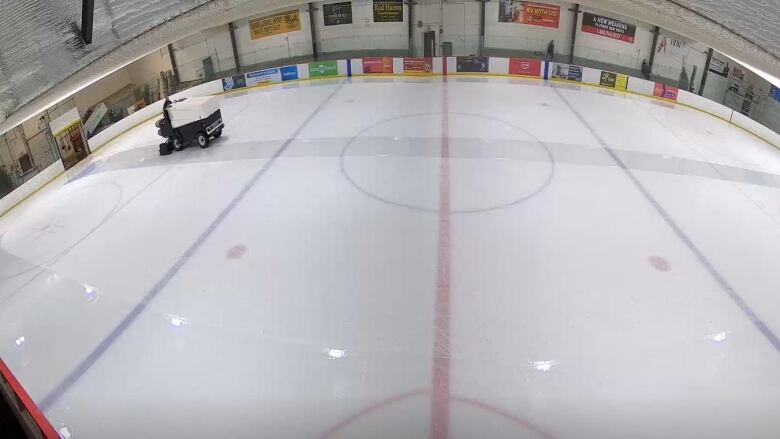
(407, 257)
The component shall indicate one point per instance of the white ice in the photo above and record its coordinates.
(228, 292)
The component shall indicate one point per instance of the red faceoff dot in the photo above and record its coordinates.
(236, 251)
(659, 263)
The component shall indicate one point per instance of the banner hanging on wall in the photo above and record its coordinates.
(233, 82)
(671, 46)
(388, 11)
(473, 64)
(613, 80)
(774, 92)
(337, 13)
(418, 65)
(323, 69)
(377, 65)
(530, 13)
(280, 23)
(566, 71)
(720, 65)
(525, 67)
(608, 27)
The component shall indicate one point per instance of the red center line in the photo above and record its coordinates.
(29, 405)
(440, 395)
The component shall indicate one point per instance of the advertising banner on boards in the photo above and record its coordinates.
(276, 74)
(613, 80)
(525, 67)
(280, 23)
(472, 64)
(418, 65)
(566, 71)
(665, 91)
(388, 11)
(377, 65)
(233, 82)
(337, 13)
(608, 27)
(263, 77)
(289, 73)
(530, 13)
(323, 68)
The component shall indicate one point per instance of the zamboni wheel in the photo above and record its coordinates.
(217, 133)
(165, 148)
(178, 145)
(203, 140)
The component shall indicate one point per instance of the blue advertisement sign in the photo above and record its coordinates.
(774, 92)
(289, 73)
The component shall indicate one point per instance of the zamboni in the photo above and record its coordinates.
(189, 120)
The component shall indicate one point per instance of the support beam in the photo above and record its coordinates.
(576, 11)
(705, 72)
(232, 29)
(410, 18)
(312, 32)
(653, 48)
(87, 16)
(175, 67)
(481, 26)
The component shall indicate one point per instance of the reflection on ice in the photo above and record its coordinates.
(545, 366)
(336, 354)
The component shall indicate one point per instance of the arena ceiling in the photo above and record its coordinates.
(43, 60)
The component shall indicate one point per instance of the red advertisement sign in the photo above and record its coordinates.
(540, 14)
(665, 91)
(534, 14)
(378, 65)
(608, 27)
(418, 65)
(525, 67)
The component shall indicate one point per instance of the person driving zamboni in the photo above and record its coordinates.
(187, 121)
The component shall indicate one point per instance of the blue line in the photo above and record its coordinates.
(724, 284)
(106, 343)
(547, 70)
(349, 67)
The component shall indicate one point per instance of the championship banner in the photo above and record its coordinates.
(377, 65)
(665, 91)
(280, 23)
(233, 82)
(530, 13)
(388, 11)
(418, 65)
(613, 80)
(525, 67)
(472, 64)
(323, 69)
(263, 77)
(337, 13)
(608, 27)
(566, 71)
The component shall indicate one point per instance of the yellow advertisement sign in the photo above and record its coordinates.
(621, 82)
(280, 23)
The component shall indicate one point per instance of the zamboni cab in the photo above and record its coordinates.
(187, 121)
